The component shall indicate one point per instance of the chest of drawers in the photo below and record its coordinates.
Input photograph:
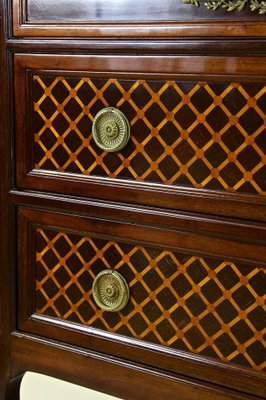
(133, 196)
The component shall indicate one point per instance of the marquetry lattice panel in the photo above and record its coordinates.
(201, 134)
(201, 305)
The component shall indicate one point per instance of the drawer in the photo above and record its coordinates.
(197, 130)
(189, 305)
(133, 19)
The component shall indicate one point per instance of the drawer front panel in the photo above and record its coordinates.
(206, 305)
(196, 143)
(201, 305)
(197, 134)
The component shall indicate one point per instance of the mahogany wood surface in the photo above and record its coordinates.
(116, 375)
(177, 239)
(118, 39)
(204, 224)
(7, 248)
(191, 365)
(198, 46)
(128, 19)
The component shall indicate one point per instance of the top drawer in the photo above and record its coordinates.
(135, 18)
(198, 138)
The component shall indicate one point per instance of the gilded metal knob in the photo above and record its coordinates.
(110, 129)
(110, 291)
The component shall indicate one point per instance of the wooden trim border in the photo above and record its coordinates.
(232, 28)
(117, 377)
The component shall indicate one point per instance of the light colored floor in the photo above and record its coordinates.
(41, 387)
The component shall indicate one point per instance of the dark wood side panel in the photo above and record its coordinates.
(115, 377)
(7, 291)
(131, 19)
(13, 388)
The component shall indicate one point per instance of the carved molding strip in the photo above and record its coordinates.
(237, 5)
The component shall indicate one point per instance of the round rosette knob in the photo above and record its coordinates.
(110, 291)
(111, 129)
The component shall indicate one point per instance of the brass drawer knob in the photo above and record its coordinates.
(110, 291)
(110, 129)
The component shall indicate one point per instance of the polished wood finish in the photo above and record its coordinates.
(7, 242)
(178, 239)
(170, 19)
(204, 224)
(170, 65)
(196, 46)
(116, 375)
(173, 41)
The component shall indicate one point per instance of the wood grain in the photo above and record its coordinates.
(154, 19)
(116, 375)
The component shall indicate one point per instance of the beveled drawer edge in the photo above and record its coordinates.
(159, 236)
(150, 216)
(237, 205)
(196, 359)
(172, 64)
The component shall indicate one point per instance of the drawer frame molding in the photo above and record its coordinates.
(22, 27)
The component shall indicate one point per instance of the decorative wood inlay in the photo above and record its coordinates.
(201, 305)
(198, 134)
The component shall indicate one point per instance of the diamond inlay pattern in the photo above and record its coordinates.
(201, 134)
(201, 305)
